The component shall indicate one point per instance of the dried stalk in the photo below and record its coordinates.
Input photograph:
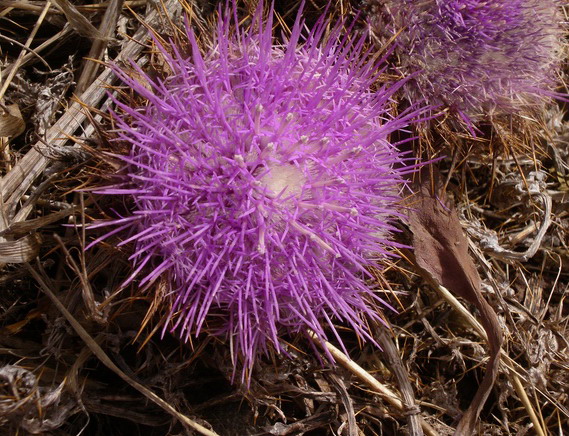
(387, 394)
(105, 359)
(15, 184)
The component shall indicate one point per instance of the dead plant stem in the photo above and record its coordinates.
(386, 393)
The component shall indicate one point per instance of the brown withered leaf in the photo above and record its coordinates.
(11, 122)
(441, 249)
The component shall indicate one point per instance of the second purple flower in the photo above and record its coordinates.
(480, 58)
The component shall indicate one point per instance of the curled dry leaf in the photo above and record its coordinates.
(21, 250)
(441, 250)
(11, 122)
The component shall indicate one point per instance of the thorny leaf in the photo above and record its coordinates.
(11, 122)
(441, 249)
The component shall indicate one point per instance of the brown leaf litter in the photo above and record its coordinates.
(78, 354)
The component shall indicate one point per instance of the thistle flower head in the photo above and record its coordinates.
(478, 57)
(263, 184)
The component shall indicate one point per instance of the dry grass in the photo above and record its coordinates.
(79, 354)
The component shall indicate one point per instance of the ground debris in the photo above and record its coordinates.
(27, 405)
(56, 152)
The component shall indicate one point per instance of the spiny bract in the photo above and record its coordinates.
(478, 57)
(263, 184)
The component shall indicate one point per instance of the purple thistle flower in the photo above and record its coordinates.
(264, 184)
(478, 57)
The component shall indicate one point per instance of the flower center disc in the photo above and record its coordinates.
(285, 179)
